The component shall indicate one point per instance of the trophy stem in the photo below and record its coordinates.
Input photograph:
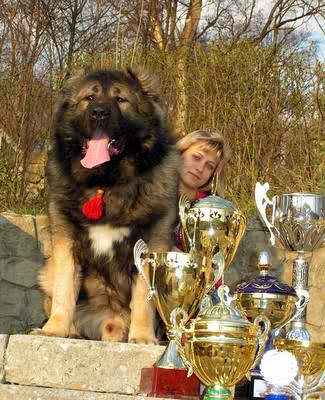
(170, 358)
(300, 274)
(218, 392)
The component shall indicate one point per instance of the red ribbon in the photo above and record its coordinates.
(93, 208)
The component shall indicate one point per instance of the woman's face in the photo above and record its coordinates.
(198, 166)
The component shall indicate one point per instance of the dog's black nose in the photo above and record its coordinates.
(100, 112)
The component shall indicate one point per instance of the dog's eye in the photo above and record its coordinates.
(121, 100)
(90, 98)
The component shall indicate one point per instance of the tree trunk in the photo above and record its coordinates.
(186, 40)
(180, 112)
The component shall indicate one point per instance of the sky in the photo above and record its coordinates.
(310, 25)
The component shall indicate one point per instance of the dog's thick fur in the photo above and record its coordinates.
(90, 285)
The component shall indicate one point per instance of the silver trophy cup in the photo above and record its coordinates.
(297, 224)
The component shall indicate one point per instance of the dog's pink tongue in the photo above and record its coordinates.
(97, 151)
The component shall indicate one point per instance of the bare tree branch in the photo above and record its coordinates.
(276, 18)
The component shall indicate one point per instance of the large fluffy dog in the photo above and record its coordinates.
(112, 177)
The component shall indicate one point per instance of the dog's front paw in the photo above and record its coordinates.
(143, 339)
(53, 327)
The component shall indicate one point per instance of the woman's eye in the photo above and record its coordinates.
(90, 98)
(121, 100)
(196, 157)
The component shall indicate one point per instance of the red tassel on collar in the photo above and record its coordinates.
(93, 208)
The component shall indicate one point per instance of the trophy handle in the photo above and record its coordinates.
(316, 382)
(262, 339)
(262, 201)
(178, 330)
(224, 296)
(219, 260)
(183, 205)
(206, 301)
(212, 284)
(242, 225)
(139, 251)
(301, 304)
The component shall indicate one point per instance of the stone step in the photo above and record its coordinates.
(19, 392)
(73, 364)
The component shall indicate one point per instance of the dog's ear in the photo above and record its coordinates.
(74, 77)
(149, 82)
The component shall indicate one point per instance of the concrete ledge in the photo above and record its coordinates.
(3, 345)
(77, 364)
(14, 392)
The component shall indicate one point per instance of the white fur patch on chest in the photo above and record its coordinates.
(103, 237)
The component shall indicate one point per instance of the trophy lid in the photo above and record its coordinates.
(214, 202)
(222, 322)
(224, 313)
(264, 282)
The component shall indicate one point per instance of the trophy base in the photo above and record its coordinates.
(172, 383)
(219, 393)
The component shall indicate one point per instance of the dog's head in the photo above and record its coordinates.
(105, 115)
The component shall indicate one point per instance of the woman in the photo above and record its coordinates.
(204, 154)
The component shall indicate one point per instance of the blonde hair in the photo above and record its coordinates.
(210, 141)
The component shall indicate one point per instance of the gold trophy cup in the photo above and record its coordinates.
(220, 346)
(174, 279)
(211, 225)
(311, 363)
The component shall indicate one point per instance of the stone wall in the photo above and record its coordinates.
(21, 255)
(25, 241)
(48, 368)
